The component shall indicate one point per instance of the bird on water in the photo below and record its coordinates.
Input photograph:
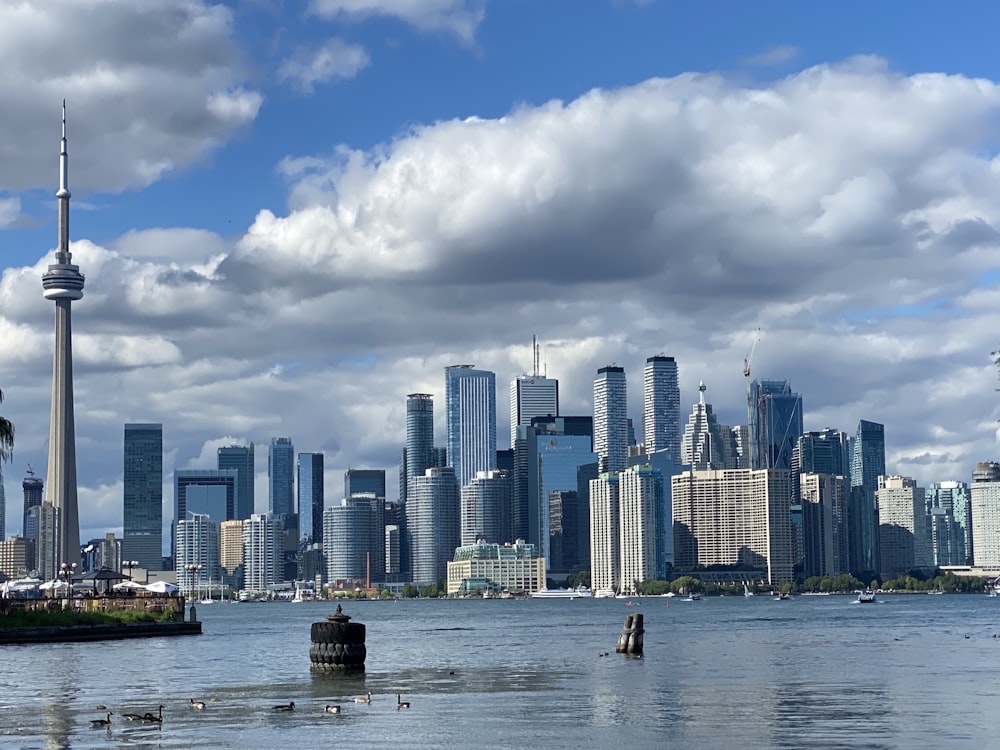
(401, 703)
(332, 708)
(364, 699)
(132, 717)
(290, 706)
(101, 723)
(197, 705)
(156, 718)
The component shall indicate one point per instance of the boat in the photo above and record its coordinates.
(297, 599)
(579, 592)
(604, 594)
(784, 596)
(866, 597)
(695, 597)
(746, 591)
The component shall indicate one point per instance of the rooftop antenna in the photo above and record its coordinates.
(31, 471)
(534, 355)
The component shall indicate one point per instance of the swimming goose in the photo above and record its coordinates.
(362, 699)
(156, 718)
(290, 706)
(197, 705)
(401, 703)
(132, 717)
(101, 723)
(333, 709)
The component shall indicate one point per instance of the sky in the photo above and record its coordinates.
(292, 214)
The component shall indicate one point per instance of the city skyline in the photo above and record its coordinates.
(260, 265)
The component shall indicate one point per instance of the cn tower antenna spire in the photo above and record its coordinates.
(63, 195)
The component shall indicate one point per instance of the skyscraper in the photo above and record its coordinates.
(432, 519)
(985, 491)
(902, 526)
(471, 404)
(143, 495)
(281, 476)
(610, 419)
(775, 415)
(241, 459)
(707, 444)
(419, 450)
(949, 512)
(867, 465)
(640, 496)
(604, 536)
(310, 498)
(209, 492)
(486, 508)
(662, 407)
(364, 482)
(261, 552)
(823, 497)
(32, 488)
(354, 540)
(63, 283)
(197, 558)
(532, 396)
(823, 452)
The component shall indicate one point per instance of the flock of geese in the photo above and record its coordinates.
(157, 718)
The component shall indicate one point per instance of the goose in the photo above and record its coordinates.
(132, 717)
(157, 718)
(102, 707)
(290, 706)
(197, 705)
(364, 699)
(332, 709)
(101, 723)
(401, 703)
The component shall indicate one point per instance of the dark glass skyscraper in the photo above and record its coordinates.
(471, 410)
(281, 476)
(775, 419)
(241, 459)
(32, 488)
(867, 465)
(364, 481)
(143, 495)
(662, 407)
(311, 499)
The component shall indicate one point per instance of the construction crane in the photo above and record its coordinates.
(747, 360)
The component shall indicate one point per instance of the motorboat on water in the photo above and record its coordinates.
(580, 592)
(604, 594)
(866, 597)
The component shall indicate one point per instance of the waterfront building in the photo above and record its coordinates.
(418, 453)
(569, 530)
(261, 552)
(311, 499)
(640, 499)
(867, 465)
(486, 508)
(532, 396)
(949, 513)
(143, 495)
(775, 421)
(231, 552)
(17, 556)
(49, 519)
(985, 501)
(240, 459)
(197, 558)
(208, 492)
(663, 462)
(63, 283)
(662, 407)
(31, 486)
(611, 426)
(432, 518)
(281, 477)
(364, 482)
(605, 558)
(392, 548)
(706, 444)
(902, 526)
(735, 517)
(823, 498)
(354, 540)
(471, 404)
(487, 567)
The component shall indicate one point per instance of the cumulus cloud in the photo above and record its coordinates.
(848, 211)
(460, 17)
(335, 58)
(157, 84)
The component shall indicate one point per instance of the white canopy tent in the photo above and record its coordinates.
(161, 587)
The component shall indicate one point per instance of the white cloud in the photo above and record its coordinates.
(10, 209)
(333, 59)
(846, 210)
(460, 17)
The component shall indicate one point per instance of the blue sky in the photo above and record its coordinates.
(278, 246)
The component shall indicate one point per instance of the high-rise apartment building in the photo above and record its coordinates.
(604, 534)
(867, 465)
(486, 508)
(281, 477)
(197, 557)
(354, 540)
(49, 517)
(532, 396)
(823, 452)
(661, 407)
(902, 526)
(261, 552)
(569, 530)
(823, 498)
(775, 420)
(432, 521)
(949, 512)
(31, 486)
(231, 552)
(364, 482)
(143, 495)
(985, 491)
(610, 419)
(16, 556)
(471, 404)
(736, 517)
(310, 496)
(640, 498)
(418, 455)
(706, 444)
(240, 458)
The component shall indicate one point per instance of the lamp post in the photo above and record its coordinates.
(66, 575)
(131, 565)
(193, 571)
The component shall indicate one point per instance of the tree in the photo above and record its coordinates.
(6, 437)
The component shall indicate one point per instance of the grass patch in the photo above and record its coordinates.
(43, 618)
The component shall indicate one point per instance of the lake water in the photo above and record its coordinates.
(819, 672)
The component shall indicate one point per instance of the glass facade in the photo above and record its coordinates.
(775, 415)
(867, 465)
(143, 495)
(241, 459)
(661, 407)
(311, 498)
(611, 438)
(281, 476)
(471, 410)
(432, 521)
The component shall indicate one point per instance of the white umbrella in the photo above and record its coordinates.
(127, 585)
(161, 587)
(53, 584)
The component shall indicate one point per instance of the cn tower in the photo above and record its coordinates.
(63, 283)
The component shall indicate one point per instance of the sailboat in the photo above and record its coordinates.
(746, 591)
(208, 595)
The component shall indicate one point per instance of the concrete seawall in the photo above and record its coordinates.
(63, 634)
